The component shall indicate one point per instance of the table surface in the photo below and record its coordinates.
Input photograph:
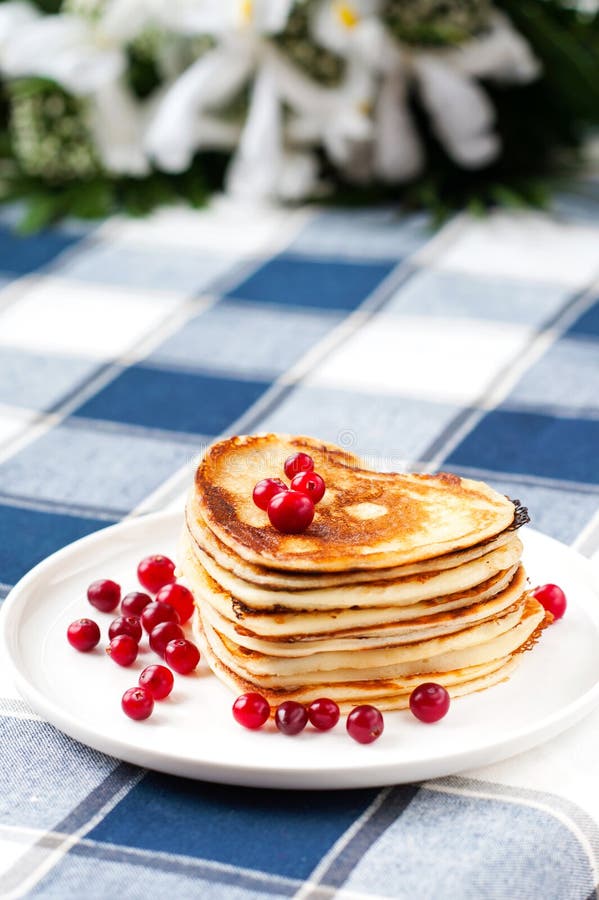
(125, 347)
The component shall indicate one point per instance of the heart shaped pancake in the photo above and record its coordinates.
(367, 520)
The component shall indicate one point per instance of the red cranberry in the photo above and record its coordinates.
(162, 634)
(251, 710)
(137, 703)
(182, 656)
(299, 462)
(83, 635)
(311, 484)
(266, 489)
(126, 625)
(552, 598)
(323, 713)
(123, 649)
(179, 597)
(291, 513)
(155, 571)
(429, 702)
(104, 594)
(158, 680)
(291, 717)
(157, 612)
(365, 724)
(133, 604)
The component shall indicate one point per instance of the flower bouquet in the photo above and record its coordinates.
(440, 103)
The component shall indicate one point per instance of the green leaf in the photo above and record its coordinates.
(90, 200)
(40, 211)
(507, 196)
(476, 207)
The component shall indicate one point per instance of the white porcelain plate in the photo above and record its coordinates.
(193, 733)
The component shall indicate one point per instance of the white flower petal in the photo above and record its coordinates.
(62, 48)
(221, 16)
(461, 113)
(348, 127)
(299, 91)
(116, 120)
(216, 134)
(270, 16)
(172, 137)
(13, 17)
(204, 17)
(349, 123)
(500, 53)
(337, 117)
(255, 167)
(397, 150)
(123, 20)
(298, 176)
(335, 22)
(374, 46)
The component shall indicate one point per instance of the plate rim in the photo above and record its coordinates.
(370, 773)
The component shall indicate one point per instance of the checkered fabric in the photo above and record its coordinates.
(475, 349)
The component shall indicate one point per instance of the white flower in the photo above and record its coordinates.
(445, 80)
(13, 17)
(175, 130)
(388, 146)
(364, 124)
(87, 59)
(218, 17)
(185, 119)
(460, 110)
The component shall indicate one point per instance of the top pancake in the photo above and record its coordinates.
(366, 520)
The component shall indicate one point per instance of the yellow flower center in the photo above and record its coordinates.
(347, 15)
(246, 11)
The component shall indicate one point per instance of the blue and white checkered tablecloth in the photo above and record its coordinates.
(126, 346)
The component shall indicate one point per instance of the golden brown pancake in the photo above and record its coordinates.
(382, 634)
(280, 622)
(209, 546)
(474, 645)
(366, 520)
(401, 591)
(399, 579)
(385, 693)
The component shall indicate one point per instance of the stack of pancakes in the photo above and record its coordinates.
(399, 579)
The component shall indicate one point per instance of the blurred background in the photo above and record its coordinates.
(373, 222)
(376, 223)
(438, 104)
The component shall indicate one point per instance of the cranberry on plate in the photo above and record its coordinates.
(251, 710)
(552, 598)
(162, 633)
(323, 714)
(365, 724)
(123, 650)
(179, 597)
(104, 594)
(134, 603)
(83, 635)
(291, 717)
(153, 572)
(157, 612)
(137, 703)
(158, 680)
(182, 655)
(429, 702)
(125, 625)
